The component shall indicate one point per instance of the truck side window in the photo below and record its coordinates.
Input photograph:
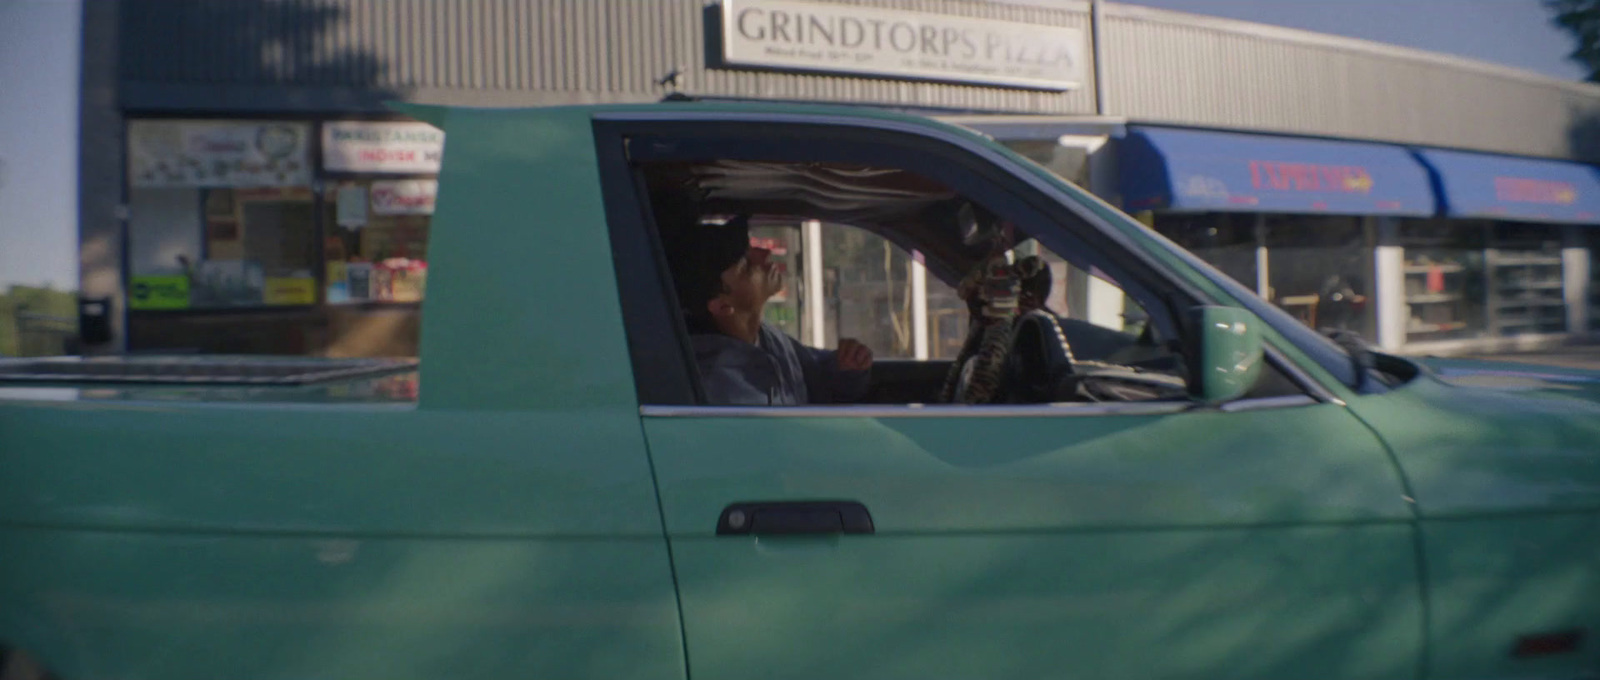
(884, 257)
(970, 283)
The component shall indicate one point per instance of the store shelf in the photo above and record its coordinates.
(1416, 327)
(1550, 326)
(1512, 304)
(1525, 261)
(1430, 298)
(1442, 268)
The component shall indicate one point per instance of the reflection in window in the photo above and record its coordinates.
(1526, 284)
(222, 247)
(377, 244)
(1446, 296)
(870, 293)
(1225, 240)
(841, 236)
(1319, 268)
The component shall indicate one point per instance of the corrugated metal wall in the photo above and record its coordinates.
(512, 51)
(1165, 66)
(342, 55)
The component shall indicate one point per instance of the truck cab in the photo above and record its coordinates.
(1171, 479)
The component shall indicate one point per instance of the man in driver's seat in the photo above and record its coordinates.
(723, 283)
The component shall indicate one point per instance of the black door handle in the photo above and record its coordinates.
(795, 517)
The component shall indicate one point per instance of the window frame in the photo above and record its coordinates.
(664, 381)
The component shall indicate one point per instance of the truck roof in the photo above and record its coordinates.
(438, 114)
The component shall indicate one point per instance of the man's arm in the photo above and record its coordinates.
(837, 376)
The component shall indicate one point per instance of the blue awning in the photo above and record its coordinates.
(1503, 187)
(1172, 169)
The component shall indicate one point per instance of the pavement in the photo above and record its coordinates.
(1571, 356)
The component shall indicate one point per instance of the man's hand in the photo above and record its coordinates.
(853, 356)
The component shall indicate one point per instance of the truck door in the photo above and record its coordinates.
(1265, 538)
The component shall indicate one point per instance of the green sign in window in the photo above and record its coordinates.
(159, 292)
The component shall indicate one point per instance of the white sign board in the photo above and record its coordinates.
(404, 197)
(846, 38)
(382, 147)
(183, 153)
(350, 206)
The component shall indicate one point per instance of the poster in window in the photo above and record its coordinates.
(227, 283)
(351, 206)
(222, 229)
(289, 290)
(358, 277)
(189, 153)
(404, 197)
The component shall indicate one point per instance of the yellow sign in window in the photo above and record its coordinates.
(298, 290)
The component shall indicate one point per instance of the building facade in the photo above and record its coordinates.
(245, 188)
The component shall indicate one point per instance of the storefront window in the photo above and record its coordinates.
(222, 215)
(1525, 275)
(1319, 268)
(232, 250)
(877, 276)
(376, 248)
(1445, 279)
(868, 292)
(380, 209)
(1226, 241)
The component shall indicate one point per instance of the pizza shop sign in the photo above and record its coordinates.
(787, 34)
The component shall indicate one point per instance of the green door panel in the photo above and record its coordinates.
(1267, 602)
(258, 542)
(1469, 451)
(1507, 483)
(1496, 581)
(339, 470)
(212, 605)
(1272, 543)
(1201, 469)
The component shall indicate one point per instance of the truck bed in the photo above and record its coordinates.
(213, 379)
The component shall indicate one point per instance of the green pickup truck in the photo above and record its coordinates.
(1193, 485)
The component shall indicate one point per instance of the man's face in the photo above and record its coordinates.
(751, 281)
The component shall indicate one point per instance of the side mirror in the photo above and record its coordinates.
(1224, 353)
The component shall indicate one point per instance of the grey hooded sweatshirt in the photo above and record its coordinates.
(776, 371)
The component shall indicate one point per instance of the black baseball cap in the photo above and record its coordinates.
(702, 252)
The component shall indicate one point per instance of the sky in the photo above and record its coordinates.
(39, 57)
(1516, 33)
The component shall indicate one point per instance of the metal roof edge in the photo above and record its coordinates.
(1026, 119)
(1301, 134)
(1313, 38)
